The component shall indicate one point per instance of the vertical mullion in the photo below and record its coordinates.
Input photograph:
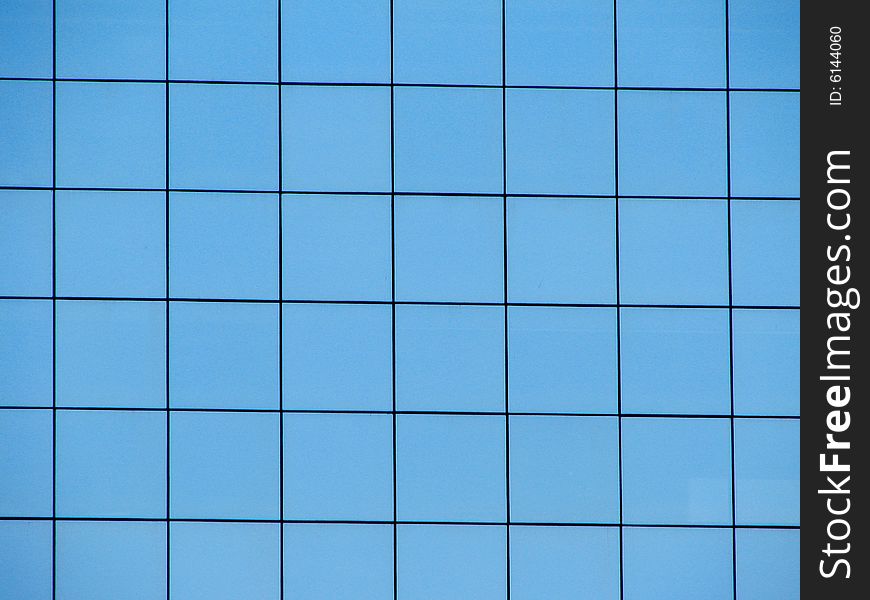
(393, 298)
(166, 250)
(507, 419)
(618, 297)
(53, 299)
(280, 309)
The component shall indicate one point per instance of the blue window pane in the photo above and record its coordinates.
(223, 355)
(111, 354)
(234, 40)
(765, 144)
(26, 38)
(448, 140)
(669, 43)
(768, 564)
(672, 143)
(673, 251)
(223, 246)
(225, 561)
(451, 468)
(564, 469)
(336, 138)
(430, 263)
(562, 359)
(767, 471)
(676, 471)
(767, 362)
(111, 464)
(765, 44)
(26, 123)
(564, 562)
(675, 361)
(338, 466)
(115, 39)
(310, 30)
(25, 243)
(26, 348)
(210, 150)
(678, 564)
(450, 358)
(451, 561)
(765, 252)
(561, 250)
(559, 42)
(111, 244)
(111, 135)
(211, 477)
(337, 247)
(111, 560)
(338, 561)
(560, 142)
(337, 356)
(26, 463)
(25, 553)
(448, 41)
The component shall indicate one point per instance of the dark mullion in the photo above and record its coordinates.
(281, 297)
(167, 299)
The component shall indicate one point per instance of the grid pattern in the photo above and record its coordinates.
(489, 300)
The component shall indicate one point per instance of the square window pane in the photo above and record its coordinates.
(26, 463)
(672, 143)
(449, 249)
(338, 466)
(767, 471)
(223, 40)
(26, 348)
(224, 465)
(649, 54)
(111, 464)
(111, 244)
(562, 359)
(111, 135)
(451, 468)
(223, 355)
(26, 123)
(561, 250)
(768, 564)
(448, 41)
(767, 362)
(25, 553)
(25, 242)
(564, 469)
(336, 41)
(225, 561)
(338, 561)
(223, 137)
(765, 44)
(765, 144)
(26, 40)
(448, 140)
(559, 42)
(765, 252)
(560, 142)
(452, 561)
(338, 357)
(111, 560)
(111, 354)
(223, 246)
(677, 563)
(564, 562)
(336, 138)
(450, 358)
(673, 251)
(676, 471)
(675, 361)
(111, 39)
(337, 247)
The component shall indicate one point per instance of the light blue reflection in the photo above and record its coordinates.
(767, 471)
(451, 561)
(25, 553)
(26, 463)
(26, 123)
(26, 38)
(768, 564)
(26, 347)
(764, 44)
(450, 358)
(25, 242)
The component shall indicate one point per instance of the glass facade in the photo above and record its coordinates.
(351, 299)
